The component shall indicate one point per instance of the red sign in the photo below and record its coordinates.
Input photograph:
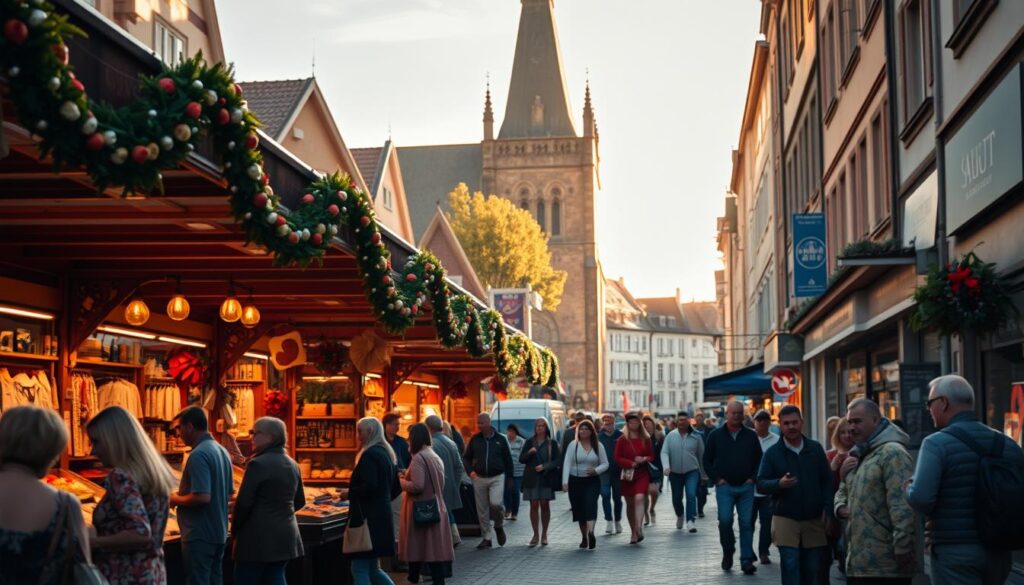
(785, 382)
(512, 307)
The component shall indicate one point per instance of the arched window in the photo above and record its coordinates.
(524, 199)
(556, 217)
(540, 214)
(524, 204)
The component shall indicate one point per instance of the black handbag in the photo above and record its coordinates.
(553, 476)
(426, 512)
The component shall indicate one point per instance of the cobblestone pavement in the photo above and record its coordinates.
(667, 555)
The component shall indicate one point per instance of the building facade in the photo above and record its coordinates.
(539, 160)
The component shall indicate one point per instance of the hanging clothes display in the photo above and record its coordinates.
(121, 392)
(85, 404)
(31, 388)
(245, 409)
(162, 401)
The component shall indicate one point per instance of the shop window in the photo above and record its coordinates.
(169, 44)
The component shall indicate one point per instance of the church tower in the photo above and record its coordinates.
(540, 162)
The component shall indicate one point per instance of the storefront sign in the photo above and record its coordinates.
(785, 382)
(920, 211)
(783, 350)
(513, 304)
(810, 266)
(914, 379)
(985, 157)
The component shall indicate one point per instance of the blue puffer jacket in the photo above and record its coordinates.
(945, 479)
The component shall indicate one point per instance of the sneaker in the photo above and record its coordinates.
(748, 568)
(765, 559)
(609, 527)
(500, 533)
(691, 526)
(618, 527)
(483, 544)
(679, 522)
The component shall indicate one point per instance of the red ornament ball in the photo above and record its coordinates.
(61, 52)
(415, 309)
(293, 238)
(264, 179)
(317, 239)
(252, 141)
(428, 267)
(333, 210)
(222, 101)
(95, 142)
(375, 238)
(15, 31)
(223, 117)
(167, 84)
(259, 201)
(308, 198)
(281, 220)
(140, 154)
(238, 89)
(364, 220)
(78, 85)
(193, 110)
(385, 279)
(410, 277)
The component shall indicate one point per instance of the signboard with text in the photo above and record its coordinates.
(810, 258)
(914, 379)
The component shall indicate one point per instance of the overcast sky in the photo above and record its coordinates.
(668, 79)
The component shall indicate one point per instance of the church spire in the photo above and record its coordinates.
(538, 103)
(589, 123)
(488, 112)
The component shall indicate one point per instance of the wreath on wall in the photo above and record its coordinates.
(129, 147)
(966, 295)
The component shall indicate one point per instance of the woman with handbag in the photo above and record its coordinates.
(634, 453)
(541, 456)
(585, 461)
(129, 522)
(370, 534)
(657, 473)
(425, 540)
(42, 534)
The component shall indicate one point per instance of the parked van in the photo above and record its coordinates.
(525, 412)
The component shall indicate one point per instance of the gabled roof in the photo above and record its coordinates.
(664, 307)
(370, 162)
(702, 317)
(431, 172)
(619, 286)
(537, 78)
(276, 101)
(440, 239)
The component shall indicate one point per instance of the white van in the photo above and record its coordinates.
(525, 412)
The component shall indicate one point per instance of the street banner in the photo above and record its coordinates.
(810, 257)
(513, 304)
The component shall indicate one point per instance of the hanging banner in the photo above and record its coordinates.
(514, 306)
(810, 265)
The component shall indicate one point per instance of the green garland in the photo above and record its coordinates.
(966, 295)
(129, 147)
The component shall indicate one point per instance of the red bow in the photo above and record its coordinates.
(962, 277)
(185, 367)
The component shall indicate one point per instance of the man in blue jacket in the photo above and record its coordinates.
(795, 472)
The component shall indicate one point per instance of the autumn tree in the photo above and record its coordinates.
(505, 244)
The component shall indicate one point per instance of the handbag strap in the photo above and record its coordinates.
(430, 474)
(59, 531)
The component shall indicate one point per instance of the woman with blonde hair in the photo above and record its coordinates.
(41, 528)
(653, 429)
(634, 453)
(373, 485)
(129, 522)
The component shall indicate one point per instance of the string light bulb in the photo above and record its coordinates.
(231, 309)
(137, 312)
(178, 307)
(250, 316)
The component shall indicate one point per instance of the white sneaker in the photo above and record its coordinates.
(691, 526)
(679, 523)
(618, 527)
(608, 527)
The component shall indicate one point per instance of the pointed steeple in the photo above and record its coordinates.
(538, 103)
(589, 123)
(488, 113)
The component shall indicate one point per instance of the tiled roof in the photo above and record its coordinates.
(431, 172)
(274, 102)
(667, 307)
(702, 318)
(369, 162)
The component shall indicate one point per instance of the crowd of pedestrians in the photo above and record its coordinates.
(860, 502)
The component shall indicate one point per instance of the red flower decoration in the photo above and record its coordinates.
(186, 367)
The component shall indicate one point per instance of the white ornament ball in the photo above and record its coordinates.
(53, 84)
(342, 195)
(334, 230)
(166, 143)
(70, 111)
(14, 71)
(283, 230)
(110, 138)
(151, 113)
(255, 172)
(399, 304)
(197, 85)
(119, 156)
(391, 306)
(305, 234)
(234, 188)
(271, 218)
(248, 215)
(36, 17)
(41, 125)
(211, 97)
(320, 228)
(236, 115)
(190, 147)
(231, 145)
(89, 126)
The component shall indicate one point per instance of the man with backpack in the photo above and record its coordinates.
(969, 480)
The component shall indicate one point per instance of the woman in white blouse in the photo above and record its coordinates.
(585, 461)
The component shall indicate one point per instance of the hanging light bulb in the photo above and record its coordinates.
(178, 307)
(137, 312)
(250, 316)
(231, 309)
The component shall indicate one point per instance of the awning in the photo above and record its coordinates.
(748, 380)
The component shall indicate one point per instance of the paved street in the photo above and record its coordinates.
(667, 555)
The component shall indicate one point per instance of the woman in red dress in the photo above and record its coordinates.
(633, 453)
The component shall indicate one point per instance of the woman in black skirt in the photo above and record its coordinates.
(541, 456)
(585, 461)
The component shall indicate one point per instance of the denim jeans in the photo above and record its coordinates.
(513, 495)
(685, 484)
(763, 515)
(368, 572)
(964, 564)
(741, 498)
(260, 573)
(204, 562)
(612, 490)
(800, 565)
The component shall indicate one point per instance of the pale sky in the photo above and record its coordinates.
(668, 79)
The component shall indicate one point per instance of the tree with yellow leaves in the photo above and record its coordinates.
(505, 244)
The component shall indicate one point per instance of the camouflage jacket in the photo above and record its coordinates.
(881, 523)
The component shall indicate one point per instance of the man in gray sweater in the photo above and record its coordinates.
(682, 458)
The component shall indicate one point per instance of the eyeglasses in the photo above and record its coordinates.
(928, 404)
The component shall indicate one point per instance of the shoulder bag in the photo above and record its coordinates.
(426, 512)
(72, 572)
(356, 538)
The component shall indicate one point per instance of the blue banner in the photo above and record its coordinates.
(810, 258)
